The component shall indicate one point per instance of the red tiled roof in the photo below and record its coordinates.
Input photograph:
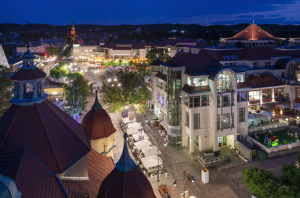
(99, 166)
(190, 89)
(253, 32)
(98, 124)
(32, 178)
(53, 136)
(119, 184)
(196, 62)
(28, 74)
(161, 76)
(175, 41)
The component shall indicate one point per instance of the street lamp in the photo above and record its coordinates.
(184, 180)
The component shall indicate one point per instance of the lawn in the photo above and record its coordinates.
(281, 135)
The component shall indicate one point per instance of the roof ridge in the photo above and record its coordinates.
(19, 107)
(48, 137)
(21, 152)
(64, 122)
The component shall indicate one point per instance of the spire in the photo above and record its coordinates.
(97, 104)
(125, 162)
(73, 26)
(253, 18)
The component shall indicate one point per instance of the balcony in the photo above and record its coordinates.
(289, 81)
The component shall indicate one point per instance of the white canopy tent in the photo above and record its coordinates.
(137, 137)
(266, 113)
(151, 151)
(251, 116)
(132, 131)
(140, 145)
(151, 162)
(134, 125)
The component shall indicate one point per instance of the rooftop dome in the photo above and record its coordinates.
(97, 122)
(126, 180)
(8, 188)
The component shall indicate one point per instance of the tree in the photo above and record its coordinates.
(6, 88)
(132, 92)
(261, 182)
(67, 51)
(160, 53)
(76, 94)
(59, 71)
(52, 51)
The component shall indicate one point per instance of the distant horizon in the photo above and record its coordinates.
(151, 24)
(135, 12)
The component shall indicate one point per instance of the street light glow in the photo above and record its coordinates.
(115, 79)
(119, 84)
(109, 80)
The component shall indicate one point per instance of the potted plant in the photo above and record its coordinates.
(166, 173)
(166, 143)
(132, 149)
(151, 175)
(144, 170)
(155, 175)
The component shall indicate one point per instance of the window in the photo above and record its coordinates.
(166, 87)
(189, 81)
(197, 121)
(244, 96)
(218, 101)
(162, 100)
(278, 92)
(238, 96)
(239, 78)
(191, 102)
(242, 114)
(162, 69)
(254, 95)
(267, 64)
(199, 82)
(204, 100)
(266, 93)
(226, 121)
(160, 83)
(226, 100)
(196, 101)
(158, 98)
(187, 121)
(255, 64)
(136, 53)
(186, 100)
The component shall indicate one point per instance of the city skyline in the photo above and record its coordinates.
(135, 13)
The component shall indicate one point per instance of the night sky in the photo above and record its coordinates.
(114, 12)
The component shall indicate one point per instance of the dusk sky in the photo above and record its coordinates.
(204, 12)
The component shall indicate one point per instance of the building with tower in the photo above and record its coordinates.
(126, 180)
(203, 96)
(41, 142)
(73, 35)
(100, 129)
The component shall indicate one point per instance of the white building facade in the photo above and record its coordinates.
(204, 96)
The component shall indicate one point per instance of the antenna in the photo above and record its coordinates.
(28, 34)
(253, 18)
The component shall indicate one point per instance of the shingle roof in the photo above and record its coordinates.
(161, 76)
(253, 32)
(261, 81)
(126, 180)
(28, 74)
(99, 166)
(175, 41)
(200, 89)
(32, 178)
(97, 122)
(53, 136)
(157, 62)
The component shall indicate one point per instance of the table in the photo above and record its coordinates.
(142, 144)
(137, 135)
(151, 162)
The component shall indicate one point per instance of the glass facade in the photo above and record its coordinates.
(174, 102)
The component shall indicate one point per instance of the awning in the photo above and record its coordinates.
(151, 151)
(297, 108)
(142, 144)
(164, 124)
(283, 106)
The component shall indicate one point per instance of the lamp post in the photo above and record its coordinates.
(184, 180)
